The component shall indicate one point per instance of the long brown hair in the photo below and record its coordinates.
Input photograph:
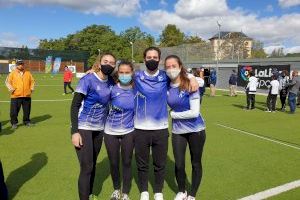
(97, 63)
(184, 80)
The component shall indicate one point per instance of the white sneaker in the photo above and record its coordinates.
(181, 196)
(116, 195)
(158, 196)
(64, 94)
(191, 198)
(144, 196)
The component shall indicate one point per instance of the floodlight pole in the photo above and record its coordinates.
(99, 52)
(131, 51)
(218, 52)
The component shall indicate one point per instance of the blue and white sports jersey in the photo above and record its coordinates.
(120, 118)
(179, 101)
(150, 100)
(94, 108)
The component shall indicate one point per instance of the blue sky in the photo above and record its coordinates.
(274, 22)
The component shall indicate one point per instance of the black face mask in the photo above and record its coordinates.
(107, 69)
(152, 64)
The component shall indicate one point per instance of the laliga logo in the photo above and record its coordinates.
(245, 71)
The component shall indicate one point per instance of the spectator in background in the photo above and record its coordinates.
(199, 75)
(294, 87)
(233, 83)
(20, 84)
(283, 81)
(213, 82)
(68, 80)
(251, 91)
(273, 92)
(3, 188)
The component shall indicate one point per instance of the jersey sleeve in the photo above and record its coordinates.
(83, 85)
(195, 95)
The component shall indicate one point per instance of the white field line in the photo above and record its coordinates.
(243, 92)
(273, 191)
(258, 136)
(43, 100)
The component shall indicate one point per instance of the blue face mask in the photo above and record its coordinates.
(125, 78)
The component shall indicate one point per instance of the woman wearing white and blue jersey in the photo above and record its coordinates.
(88, 115)
(151, 122)
(118, 137)
(188, 126)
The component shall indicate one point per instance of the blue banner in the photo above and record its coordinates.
(56, 65)
(48, 64)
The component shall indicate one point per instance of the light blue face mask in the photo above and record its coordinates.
(125, 78)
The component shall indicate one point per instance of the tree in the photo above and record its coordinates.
(140, 40)
(277, 53)
(257, 50)
(171, 36)
(293, 55)
(193, 40)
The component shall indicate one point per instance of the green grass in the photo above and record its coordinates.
(40, 162)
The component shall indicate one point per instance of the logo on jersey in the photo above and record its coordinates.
(160, 78)
(181, 94)
(98, 88)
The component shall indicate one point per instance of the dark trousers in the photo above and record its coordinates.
(158, 141)
(196, 142)
(15, 106)
(250, 101)
(69, 86)
(271, 102)
(3, 189)
(87, 156)
(283, 95)
(114, 145)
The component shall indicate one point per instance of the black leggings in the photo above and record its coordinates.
(271, 102)
(87, 156)
(283, 95)
(114, 144)
(196, 142)
(158, 141)
(69, 86)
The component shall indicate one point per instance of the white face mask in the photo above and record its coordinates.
(173, 73)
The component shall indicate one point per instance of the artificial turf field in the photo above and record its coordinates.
(40, 162)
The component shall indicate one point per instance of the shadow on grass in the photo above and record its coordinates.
(102, 173)
(41, 118)
(35, 120)
(20, 176)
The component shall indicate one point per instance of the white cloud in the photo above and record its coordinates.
(114, 7)
(269, 8)
(274, 29)
(288, 3)
(200, 8)
(163, 2)
(295, 49)
(9, 40)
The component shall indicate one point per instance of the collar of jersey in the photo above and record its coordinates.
(124, 87)
(95, 74)
(151, 75)
(174, 85)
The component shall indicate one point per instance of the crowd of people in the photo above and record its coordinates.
(288, 88)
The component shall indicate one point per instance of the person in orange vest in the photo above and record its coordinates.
(20, 84)
(68, 80)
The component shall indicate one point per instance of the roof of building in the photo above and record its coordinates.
(224, 34)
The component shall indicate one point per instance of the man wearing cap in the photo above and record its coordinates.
(20, 84)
